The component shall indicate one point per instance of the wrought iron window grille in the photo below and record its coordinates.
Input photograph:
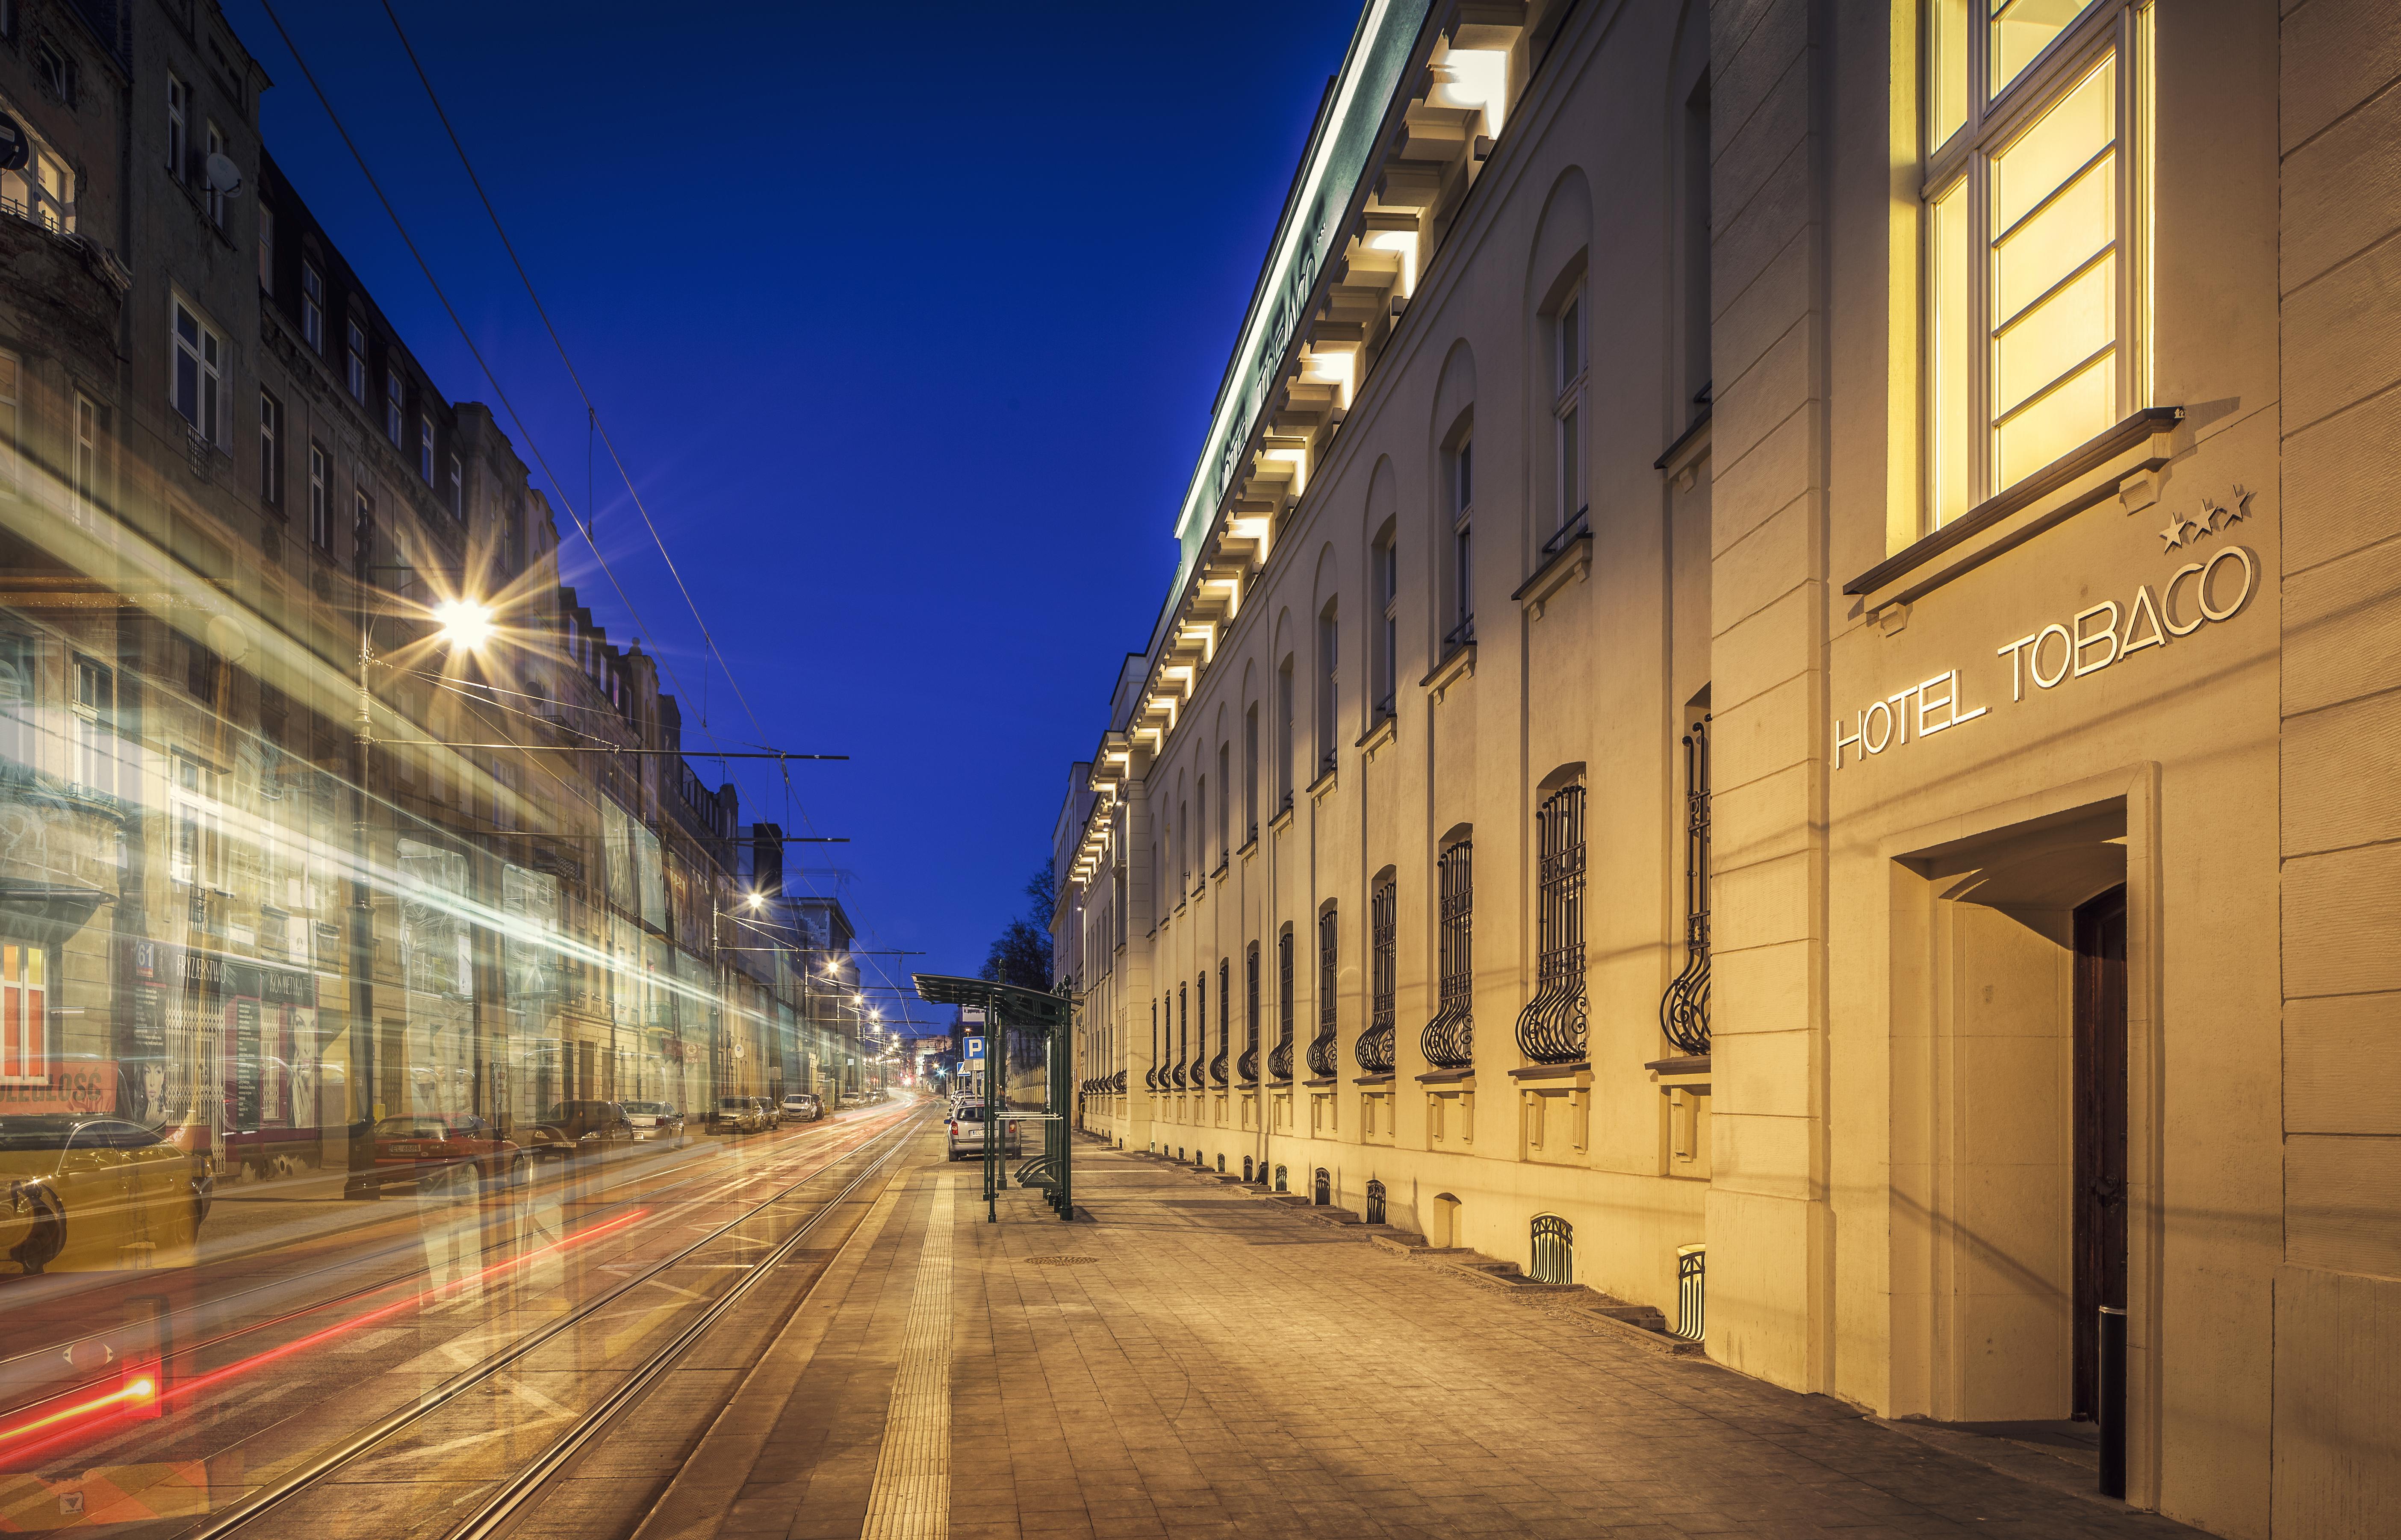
(1183, 1040)
(1224, 1022)
(1684, 1009)
(1322, 1048)
(1449, 1039)
(1279, 1056)
(1374, 1050)
(1554, 1251)
(1201, 1044)
(1376, 1203)
(1551, 1028)
(1691, 1293)
(1249, 1067)
(1320, 1188)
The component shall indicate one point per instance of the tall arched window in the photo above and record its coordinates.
(1449, 1041)
(1322, 1046)
(1329, 717)
(1225, 1020)
(1551, 1028)
(1249, 1068)
(1279, 1058)
(1374, 1050)
(1283, 745)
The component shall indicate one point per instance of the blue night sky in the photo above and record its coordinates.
(908, 334)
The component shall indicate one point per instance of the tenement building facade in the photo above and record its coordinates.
(283, 858)
(1778, 700)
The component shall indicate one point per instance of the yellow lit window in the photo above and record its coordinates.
(2032, 288)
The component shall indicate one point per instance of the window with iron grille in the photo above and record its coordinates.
(1183, 1035)
(1150, 1075)
(1249, 1067)
(1279, 1056)
(1551, 1028)
(1225, 1020)
(1684, 1009)
(1449, 1040)
(1321, 1047)
(1376, 1203)
(1200, 1043)
(1374, 1050)
(1554, 1251)
(1320, 1187)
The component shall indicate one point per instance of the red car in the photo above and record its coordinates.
(433, 1148)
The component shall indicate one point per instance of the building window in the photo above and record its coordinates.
(85, 493)
(355, 370)
(266, 250)
(19, 695)
(425, 449)
(179, 129)
(1569, 373)
(458, 489)
(1279, 1056)
(24, 1016)
(1177, 1074)
(361, 532)
(1387, 683)
(1225, 803)
(270, 450)
(1251, 772)
(94, 710)
(1225, 1019)
(1329, 641)
(1322, 1046)
(11, 374)
(1551, 1028)
(321, 513)
(197, 857)
(1200, 795)
(42, 190)
(1249, 1067)
(2034, 294)
(217, 142)
(1449, 1040)
(1684, 1009)
(55, 72)
(198, 360)
(1283, 735)
(395, 396)
(1460, 618)
(312, 308)
(1375, 1051)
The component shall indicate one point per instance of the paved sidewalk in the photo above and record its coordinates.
(1200, 1362)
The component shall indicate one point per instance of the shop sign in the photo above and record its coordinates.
(2199, 592)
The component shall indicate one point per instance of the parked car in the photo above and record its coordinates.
(804, 1107)
(770, 1115)
(82, 1192)
(655, 1120)
(435, 1150)
(579, 1128)
(734, 1115)
(967, 1133)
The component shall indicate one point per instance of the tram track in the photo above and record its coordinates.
(511, 1497)
(110, 1337)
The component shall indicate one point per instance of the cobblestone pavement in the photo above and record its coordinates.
(1198, 1361)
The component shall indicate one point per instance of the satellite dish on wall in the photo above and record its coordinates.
(224, 177)
(15, 148)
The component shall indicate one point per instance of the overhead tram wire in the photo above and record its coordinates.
(592, 410)
(499, 391)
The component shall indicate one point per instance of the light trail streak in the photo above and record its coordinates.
(103, 1413)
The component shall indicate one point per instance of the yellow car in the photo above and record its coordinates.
(85, 1192)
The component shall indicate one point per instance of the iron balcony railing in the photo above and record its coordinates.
(1374, 1050)
(1579, 526)
(1449, 1040)
(1551, 1028)
(1684, 1009)
(1322, 1047)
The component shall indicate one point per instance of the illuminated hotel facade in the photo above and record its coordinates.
(222, 916)
(1768, 708)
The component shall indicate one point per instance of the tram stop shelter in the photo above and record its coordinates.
(1026, 1030)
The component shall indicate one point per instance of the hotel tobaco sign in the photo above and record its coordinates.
(2202, 592)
